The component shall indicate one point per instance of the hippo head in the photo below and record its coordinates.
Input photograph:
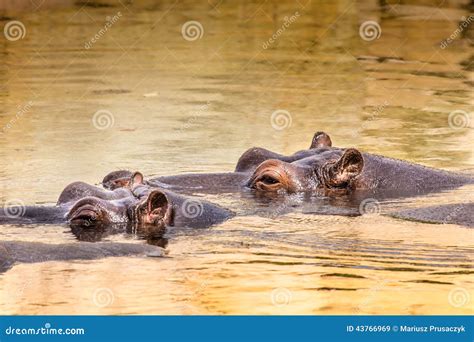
(117, 179)
(251, 158)
(93, 211)
(327, 170)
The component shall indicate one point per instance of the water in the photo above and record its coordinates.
(177, 106)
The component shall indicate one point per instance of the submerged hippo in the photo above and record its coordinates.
(231, 181)
(138, 205)
(74, 196)
(349, 169)
(14, 252)
(254, 156)
(78, 190)
(320, 169)
(166, 208)
(117, 179)
(461, 214)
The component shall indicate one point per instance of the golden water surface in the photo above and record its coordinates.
(149, 96)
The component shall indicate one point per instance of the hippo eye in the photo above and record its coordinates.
(269, 180)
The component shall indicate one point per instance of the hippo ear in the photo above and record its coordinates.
(341, 172)
(321, 139)
(136, 179)
(156, 199)
(158, 207)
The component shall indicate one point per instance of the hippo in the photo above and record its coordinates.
(322, 169)
(58, 214)
(74, 196)
(229, 182)
(254, 156)
(117, 179)
(148, 206)
(78, 190)
(136, 204)
(342, 170)
(167, 208)
(14, 252)
(461, 214)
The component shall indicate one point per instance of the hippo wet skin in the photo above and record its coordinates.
(113, 201)
(254, 156)
(228, 181)
(319, 169)
(461, 214)
(81, 204)
(163, 207)
(100, 212)
(79, 190)
(349, 169)
(14, 252)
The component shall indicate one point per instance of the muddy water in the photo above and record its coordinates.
(169, 105)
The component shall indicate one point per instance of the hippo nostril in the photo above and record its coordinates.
(85, 215)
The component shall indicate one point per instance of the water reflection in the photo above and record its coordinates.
(195, 106)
